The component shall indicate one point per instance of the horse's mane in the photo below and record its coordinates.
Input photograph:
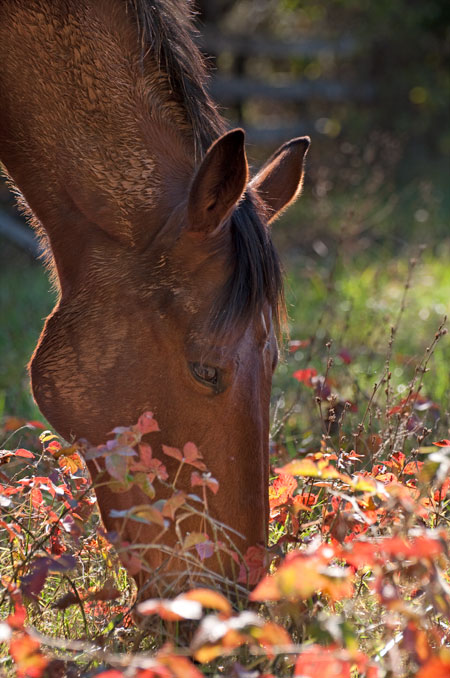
(167, 31)
(256, 275)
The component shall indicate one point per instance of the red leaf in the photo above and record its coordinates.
(36, 424)
(16, 620)
(172, 452)
(205, 480)
(317, 660)
(147, 424)
(296, 344)
(443, 443)
(36, 497)
(192, 456)
(345, 356)
(305, 376)
(24, 453)
(255, 566)
(29, 661)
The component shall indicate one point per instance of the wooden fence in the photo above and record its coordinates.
(235, 88)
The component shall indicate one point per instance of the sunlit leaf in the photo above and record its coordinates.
(210, 599)
(171, 610)
(271, 636)
(436, 667)
(302, 575)
(180, 667)
(28, 658)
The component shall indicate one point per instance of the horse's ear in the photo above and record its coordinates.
(280, 180)
(219, 183)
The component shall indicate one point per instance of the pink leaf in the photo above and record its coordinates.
(147, 424)
(192, 456)
(145, 453)
(172, 452)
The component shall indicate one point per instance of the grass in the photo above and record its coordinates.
(363, 319)
(25, 300)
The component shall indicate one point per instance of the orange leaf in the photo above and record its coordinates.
(27, 656)
(181, 667)
(281, 490)
(317, 660)
(311, 469)
(210, 599)
(436, 667)
(301, 575)
(70, 463)
(229, 641)
(171, 610)
(271, 636)
(172, 504)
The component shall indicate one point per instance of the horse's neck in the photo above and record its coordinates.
(86, 134)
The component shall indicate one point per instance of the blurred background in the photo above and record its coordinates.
(369, 81)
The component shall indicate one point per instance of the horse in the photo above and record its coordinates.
(170, 288)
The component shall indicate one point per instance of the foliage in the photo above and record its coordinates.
(357, 581)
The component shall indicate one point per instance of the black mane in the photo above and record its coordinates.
(256, 274)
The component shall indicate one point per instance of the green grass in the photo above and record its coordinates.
(25, 301)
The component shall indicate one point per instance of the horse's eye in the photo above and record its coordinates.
(205, 373)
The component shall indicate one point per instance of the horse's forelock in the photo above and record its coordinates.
(255, 272)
